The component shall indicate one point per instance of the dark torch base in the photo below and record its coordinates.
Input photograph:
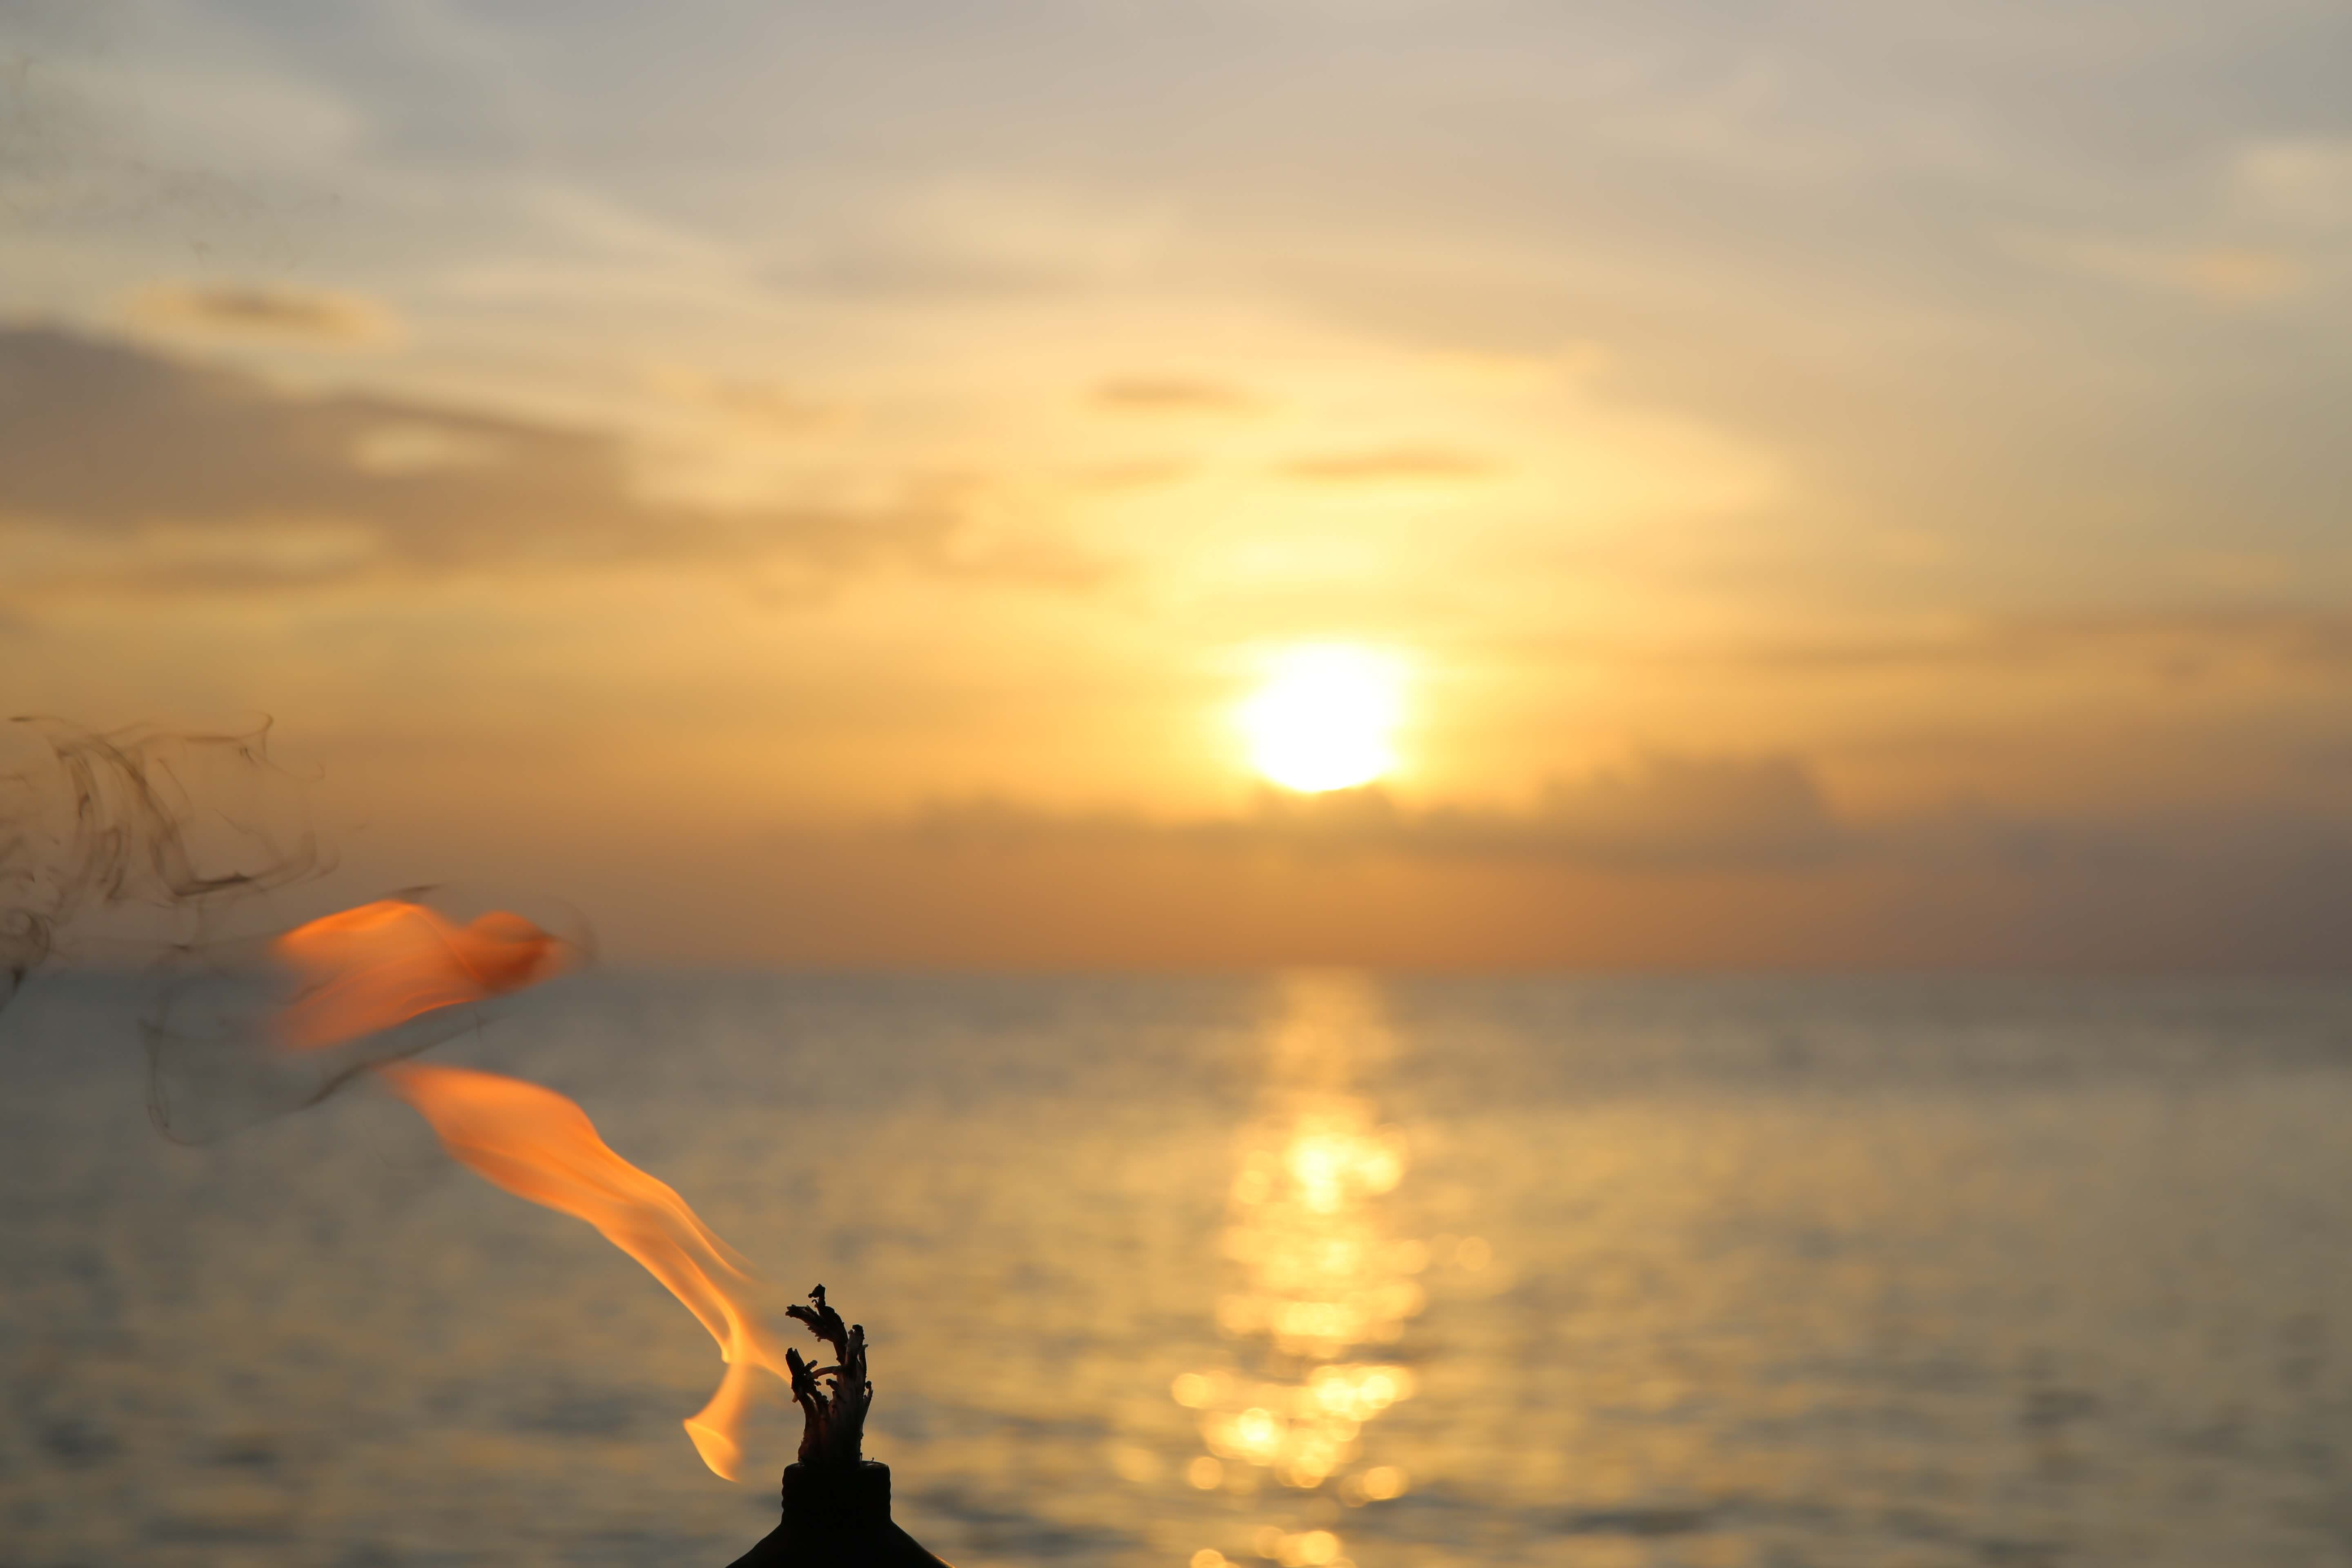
(837, 1516)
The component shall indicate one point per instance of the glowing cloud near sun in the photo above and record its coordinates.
(1324, 718)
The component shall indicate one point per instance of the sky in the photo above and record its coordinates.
(1831, 485)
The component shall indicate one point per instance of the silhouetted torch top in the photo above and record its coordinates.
(836, 1501)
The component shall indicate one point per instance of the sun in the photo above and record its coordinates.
(1324, 719)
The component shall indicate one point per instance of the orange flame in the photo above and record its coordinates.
(538, 1145)
(382, 964)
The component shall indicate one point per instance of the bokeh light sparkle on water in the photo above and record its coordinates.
(1709, 1272)
(1321, 1275)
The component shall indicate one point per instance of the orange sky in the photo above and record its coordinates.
(1841, 485)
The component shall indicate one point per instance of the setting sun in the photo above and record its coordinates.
(1324, 718)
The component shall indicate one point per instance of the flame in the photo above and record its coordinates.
(382, 964)
(538, 1145)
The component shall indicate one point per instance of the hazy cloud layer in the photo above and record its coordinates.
(1674, 862)
(2221, 274)
(1663, 813)
(1878, 407)
(1693, 815)
(124, 469)
(308, 318)
(2176, 644)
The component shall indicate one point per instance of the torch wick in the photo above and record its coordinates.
(833, 1399)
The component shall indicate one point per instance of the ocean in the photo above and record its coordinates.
(1311, 1270)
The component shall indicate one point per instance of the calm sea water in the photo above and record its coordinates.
(1307, 1270)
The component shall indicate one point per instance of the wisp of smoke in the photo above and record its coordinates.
(131, 847)
(98, 830)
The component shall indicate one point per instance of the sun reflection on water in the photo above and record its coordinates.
(1320, 1284)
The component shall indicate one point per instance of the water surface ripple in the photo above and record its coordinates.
(1309, 1269)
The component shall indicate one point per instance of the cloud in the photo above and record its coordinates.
(1666, 809)
(1381, 464)
(1676, 814)
(1662, 812)
(2170, 644)
(121, 468)
(2221, 274)
(2309, 181)
(757, 406)
(1674, 862)
(1169, 395)
(264, 313)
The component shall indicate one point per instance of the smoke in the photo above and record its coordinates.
(110, 841)
(155, 853)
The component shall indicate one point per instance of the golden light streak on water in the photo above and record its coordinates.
(1322, 1282)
